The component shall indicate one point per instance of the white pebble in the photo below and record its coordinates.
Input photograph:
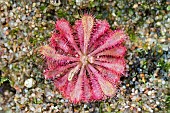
(5, 28)
(78, 2)
(62, 100)
(18, 21)
(133, 90)
(10, 51)
(126, 106)
(151, 110)
(6, 44)
(150, 100)
(33, 25)
(158, 23)
(10, 66)
(157, 102)
(66, 100)
(165, 47)
(32, 108)
(85, 106)
(2, 19)
(11, 14)
(149, 92)
(163, 82)
(23, 17)
(4, 56)
(29, 82)
(136, 91)
(139, 109)
(133, 105)
(25, 90)
(34, 4)
(24, 49)
(142, 89)
(135, 6)
(124, 87)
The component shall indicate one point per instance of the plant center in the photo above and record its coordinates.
(86, 59)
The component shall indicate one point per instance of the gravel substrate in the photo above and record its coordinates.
(25, 26)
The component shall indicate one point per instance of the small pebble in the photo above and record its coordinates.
(2, 20)
(23, 17)
(29, 82)
(163, 82)
(149, 92)
(135, 6)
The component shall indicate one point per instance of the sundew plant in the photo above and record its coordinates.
(85, 60)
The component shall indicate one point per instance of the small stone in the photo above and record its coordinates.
(133, 105)
(85, 106)
(29, 82)
(24, 49)
(2, 20)
(32, 108)
(136, 91)
(163, 82)
(157, 102)
(78, 2)
(139, 109)
(10, 51)
(149, 92)
(39, 109)
(126, 106)
(62, 100)
(33, 25)
(151, 110)
(11, 14)
(165, 47)
(134, 79)
(151, 40)
(66, 100)
(18, 21)
(66, 110)
(25, 90)
(23, 17)
(34, 4)
(135, 6)
(158, 23)
(36, 28)
(124, 87)
(133, 90)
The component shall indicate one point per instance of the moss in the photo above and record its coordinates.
(3, 79)
(131, 12)
(168, 8)
(167, 103)
(6, 79)
(37, 101)
(140, 103)
(14, 31)
(163, 65)
(61, 13)
(42, 8)
(132, 35)
(101, 107)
